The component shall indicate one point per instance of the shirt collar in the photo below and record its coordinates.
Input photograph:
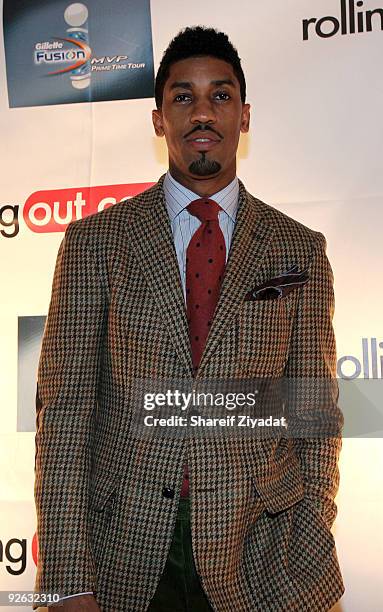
(178, 197)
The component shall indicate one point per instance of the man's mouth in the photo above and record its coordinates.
(203, 143)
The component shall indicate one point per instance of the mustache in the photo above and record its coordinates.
(203, 127)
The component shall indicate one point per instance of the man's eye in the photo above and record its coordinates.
(182, 98)
(222, 95)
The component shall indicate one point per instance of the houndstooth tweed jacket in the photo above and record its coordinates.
(261, 511)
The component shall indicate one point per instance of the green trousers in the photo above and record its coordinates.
(180, 589)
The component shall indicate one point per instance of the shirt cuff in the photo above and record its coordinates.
(76, 594)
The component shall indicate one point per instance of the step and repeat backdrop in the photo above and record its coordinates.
(76, 98)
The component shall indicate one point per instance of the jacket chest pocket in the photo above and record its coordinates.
(264, 328)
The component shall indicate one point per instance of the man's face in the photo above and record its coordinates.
(201, 118)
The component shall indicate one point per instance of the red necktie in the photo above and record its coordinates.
(205, 266)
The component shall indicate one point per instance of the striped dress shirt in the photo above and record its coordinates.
(183, 224)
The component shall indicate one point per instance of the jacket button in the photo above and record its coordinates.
(167, 492)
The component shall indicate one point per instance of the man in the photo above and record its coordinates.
(193, 279)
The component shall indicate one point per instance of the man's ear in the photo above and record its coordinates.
(157, 122)
(245, 119)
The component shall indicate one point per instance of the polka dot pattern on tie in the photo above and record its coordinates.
(205, 264)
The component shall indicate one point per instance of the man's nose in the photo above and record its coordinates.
(202, 112)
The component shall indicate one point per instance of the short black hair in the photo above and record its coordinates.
(195, 42)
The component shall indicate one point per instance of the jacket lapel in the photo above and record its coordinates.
(152, 241)
(153, 245)
(251, 239)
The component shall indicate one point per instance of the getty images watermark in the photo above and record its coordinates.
(194, 400)
(262, 407)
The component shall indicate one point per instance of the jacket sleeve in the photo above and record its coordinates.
(67, 396)
(313, 388)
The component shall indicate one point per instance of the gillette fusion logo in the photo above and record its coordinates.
(74, 51)
(52, 52)
(73, 48)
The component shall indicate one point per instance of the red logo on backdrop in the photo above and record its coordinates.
(52, 211)
(35, 548)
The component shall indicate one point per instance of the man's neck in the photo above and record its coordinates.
(204, 187)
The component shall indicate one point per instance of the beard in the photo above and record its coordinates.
(204, 167)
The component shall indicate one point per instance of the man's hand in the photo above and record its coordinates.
(78, 603)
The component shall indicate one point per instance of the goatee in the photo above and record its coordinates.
(204, 167)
